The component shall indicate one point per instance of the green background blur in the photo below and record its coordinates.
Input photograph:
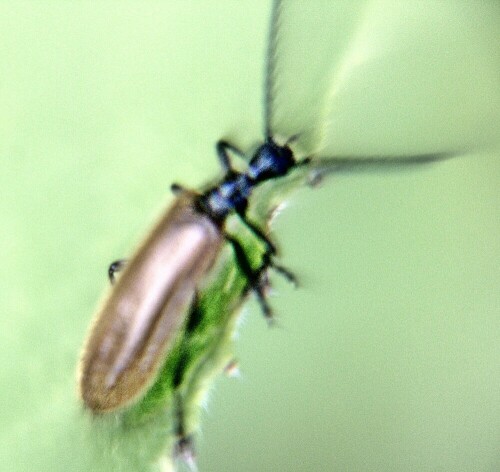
(388, 359)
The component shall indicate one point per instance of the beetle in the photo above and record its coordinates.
(137, 323)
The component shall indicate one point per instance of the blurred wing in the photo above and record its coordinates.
(385, 77)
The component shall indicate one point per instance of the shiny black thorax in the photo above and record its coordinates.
(269, 161)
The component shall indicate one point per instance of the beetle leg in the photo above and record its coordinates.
(115, 267)
(270, 247)
(222, 148)
(184, 447)
(283, 271)
(270, 251)
(253, 277)
(177, 189)
(195, 315)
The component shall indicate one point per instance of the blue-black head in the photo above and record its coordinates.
(270, 160)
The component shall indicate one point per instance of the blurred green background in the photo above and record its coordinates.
(388, 359)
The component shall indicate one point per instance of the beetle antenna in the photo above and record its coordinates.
(270, 71)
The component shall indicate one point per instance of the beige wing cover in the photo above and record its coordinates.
(136, 325)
